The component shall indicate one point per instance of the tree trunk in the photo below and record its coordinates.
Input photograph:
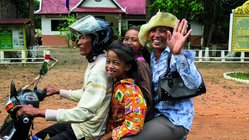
(210, 23)
(32, 28)
(210, 33)
(7, 9)
(148, 13)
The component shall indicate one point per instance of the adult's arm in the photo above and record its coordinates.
(184, 64)
(90, 101)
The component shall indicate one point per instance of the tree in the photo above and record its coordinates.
(189, 9)
(216, 20)
(214, 15)
(7, 9)
(148, 9)
(64, 28)
(20, 9)
(32, 26)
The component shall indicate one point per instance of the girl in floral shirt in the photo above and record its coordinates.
(128, 106)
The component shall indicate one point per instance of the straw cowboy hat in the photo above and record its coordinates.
(160, 19)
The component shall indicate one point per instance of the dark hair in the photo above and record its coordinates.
(146, 54)
(144, 51)
(125, 53)
(133, 27)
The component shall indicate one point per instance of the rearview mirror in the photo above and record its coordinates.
(43, 71)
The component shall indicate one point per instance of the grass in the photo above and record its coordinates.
(239, 75)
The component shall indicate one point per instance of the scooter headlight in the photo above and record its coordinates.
(8, 105)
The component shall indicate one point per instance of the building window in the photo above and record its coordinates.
(55, 24)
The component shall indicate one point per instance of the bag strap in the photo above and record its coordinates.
(168, 63)
(167, 73)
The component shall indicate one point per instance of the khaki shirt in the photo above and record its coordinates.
(89, 117)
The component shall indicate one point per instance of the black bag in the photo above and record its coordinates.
(171, 86)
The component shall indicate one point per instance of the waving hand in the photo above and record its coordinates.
(177, 39)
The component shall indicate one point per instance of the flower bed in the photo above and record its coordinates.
(239, 76)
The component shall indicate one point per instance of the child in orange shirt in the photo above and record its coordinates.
(128, 106)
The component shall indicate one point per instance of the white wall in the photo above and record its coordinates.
(102, 3)
(46, 26)
(196, 28)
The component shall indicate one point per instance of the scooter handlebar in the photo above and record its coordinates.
(41, 94)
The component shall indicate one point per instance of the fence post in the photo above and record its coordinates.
(242, 57)
(223, 56)
(206, 54)
(24, 60)
(200, 55)
(214, 48)
(2, 56)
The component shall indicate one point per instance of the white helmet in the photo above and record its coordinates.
(99, 28)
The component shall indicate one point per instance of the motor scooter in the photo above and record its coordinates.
(19, 129)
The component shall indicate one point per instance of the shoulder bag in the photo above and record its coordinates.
(171, 86)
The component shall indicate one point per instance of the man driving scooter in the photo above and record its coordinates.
(88, 119)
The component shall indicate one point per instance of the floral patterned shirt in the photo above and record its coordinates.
(128, 109)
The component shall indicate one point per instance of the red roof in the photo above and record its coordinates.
(14, 21)
(133, 7)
